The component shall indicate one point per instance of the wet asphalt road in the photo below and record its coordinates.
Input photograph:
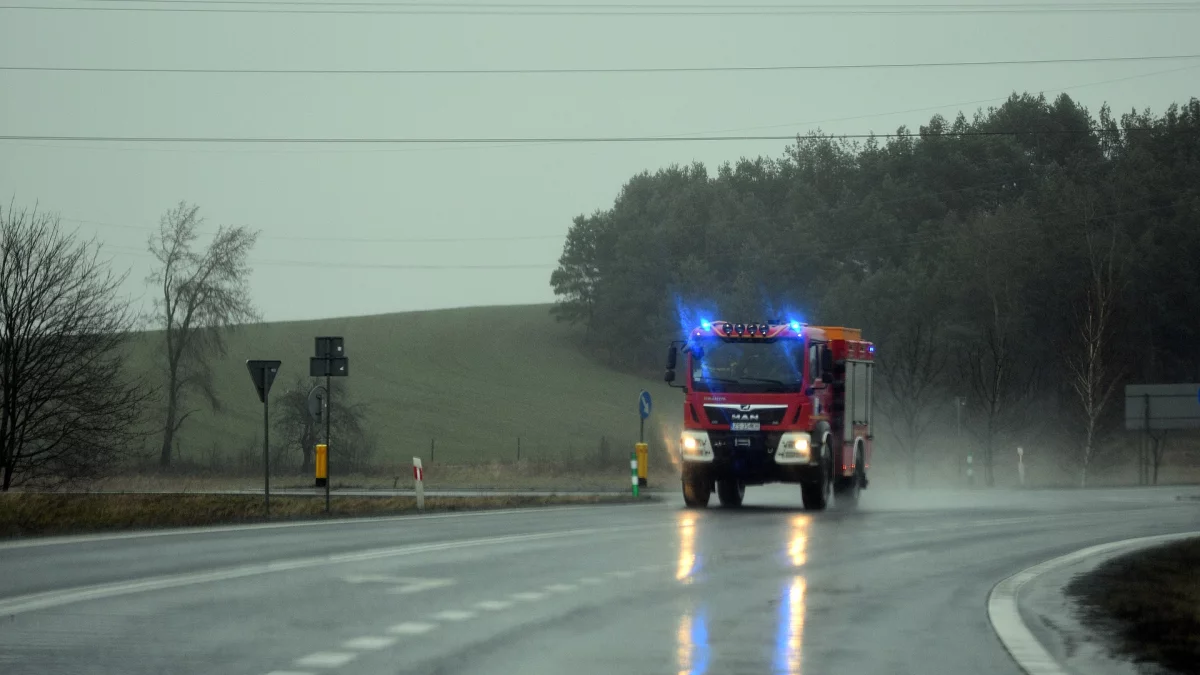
(898, 586)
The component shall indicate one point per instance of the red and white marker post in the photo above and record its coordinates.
(419, 479)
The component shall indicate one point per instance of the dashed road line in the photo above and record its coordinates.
(288, 672)
(411, 628)
(454, 615)
(58, 598)
(621, 574)
(369, 642)
(528, 596)
(591, 581)
(561, 588)
(326, 659)
(494, 605)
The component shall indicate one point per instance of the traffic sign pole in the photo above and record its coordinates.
(328, 415)
(641, 454)
(266, 453)
(263, 373)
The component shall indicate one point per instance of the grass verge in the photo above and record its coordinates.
(29, 514)
(1150, 602)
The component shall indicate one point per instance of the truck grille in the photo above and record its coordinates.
(762, 414)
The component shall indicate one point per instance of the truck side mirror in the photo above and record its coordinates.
(669, 376)
(672, 358)
(826, 364)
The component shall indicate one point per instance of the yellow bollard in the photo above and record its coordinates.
(643, 458)
(322, 464)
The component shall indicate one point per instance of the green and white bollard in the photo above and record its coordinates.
(633, 471)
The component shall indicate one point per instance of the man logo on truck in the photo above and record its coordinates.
(814, 381)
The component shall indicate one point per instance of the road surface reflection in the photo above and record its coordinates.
(688, 562)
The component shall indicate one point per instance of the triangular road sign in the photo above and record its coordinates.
(263, 374)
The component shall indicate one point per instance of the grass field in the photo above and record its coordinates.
(470, 380)
(1150, 602)
(23, 515)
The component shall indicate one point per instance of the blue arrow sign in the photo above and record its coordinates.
(644, 404)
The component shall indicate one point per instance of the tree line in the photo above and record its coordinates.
(1030, 259)
(72, 406)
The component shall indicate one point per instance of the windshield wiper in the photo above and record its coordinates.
(722, 380)
(768, 381)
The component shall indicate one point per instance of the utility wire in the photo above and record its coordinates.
(348, 240)
(217, 7)
(586, 71)
(533, 140)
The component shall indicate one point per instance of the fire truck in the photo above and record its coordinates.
(774, 402)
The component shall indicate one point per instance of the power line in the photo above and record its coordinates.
(692, 133)
(325, 264)
(350, 240)
(626, 10)
(586, 71)
(530, 140)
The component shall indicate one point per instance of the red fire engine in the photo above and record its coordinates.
(774, 402)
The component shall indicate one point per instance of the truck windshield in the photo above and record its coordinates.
(749, 367)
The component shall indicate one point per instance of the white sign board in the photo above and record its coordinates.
(1162, 406)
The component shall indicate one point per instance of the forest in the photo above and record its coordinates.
(1025, 262)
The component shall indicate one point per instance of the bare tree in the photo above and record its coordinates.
(990, 362)
(200, 295)
(1091, 375)
(298, 431)
(911, 365)
(67, 407)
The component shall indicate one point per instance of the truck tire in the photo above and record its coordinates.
(731, 491)
(696, 489)
(849, 489)
(819, 493)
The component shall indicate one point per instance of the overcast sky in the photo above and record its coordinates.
(371, 192)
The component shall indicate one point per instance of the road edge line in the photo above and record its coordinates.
(63, 539)
(1004, 612)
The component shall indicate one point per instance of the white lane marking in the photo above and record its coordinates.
(46, 600)
(561, 588)
(494, 605)
(528, 596)
(1005, 614)
(591, 581)
(621, 574)
(369, 642)
(326, 659)
(288, 672)
(455, 615)
(411, 628)
(401, 585)
(86, 538)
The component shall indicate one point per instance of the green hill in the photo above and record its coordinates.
(473, 380)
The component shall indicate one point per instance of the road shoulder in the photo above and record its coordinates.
(1040, 625)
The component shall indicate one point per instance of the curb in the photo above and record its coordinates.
(1005, 614)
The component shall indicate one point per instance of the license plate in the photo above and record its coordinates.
(744, 426)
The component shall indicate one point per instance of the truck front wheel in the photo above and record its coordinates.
(818, 493)
(731, 491)
(697, 488)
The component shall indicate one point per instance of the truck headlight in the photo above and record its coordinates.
(794, 448)
(694, 446)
